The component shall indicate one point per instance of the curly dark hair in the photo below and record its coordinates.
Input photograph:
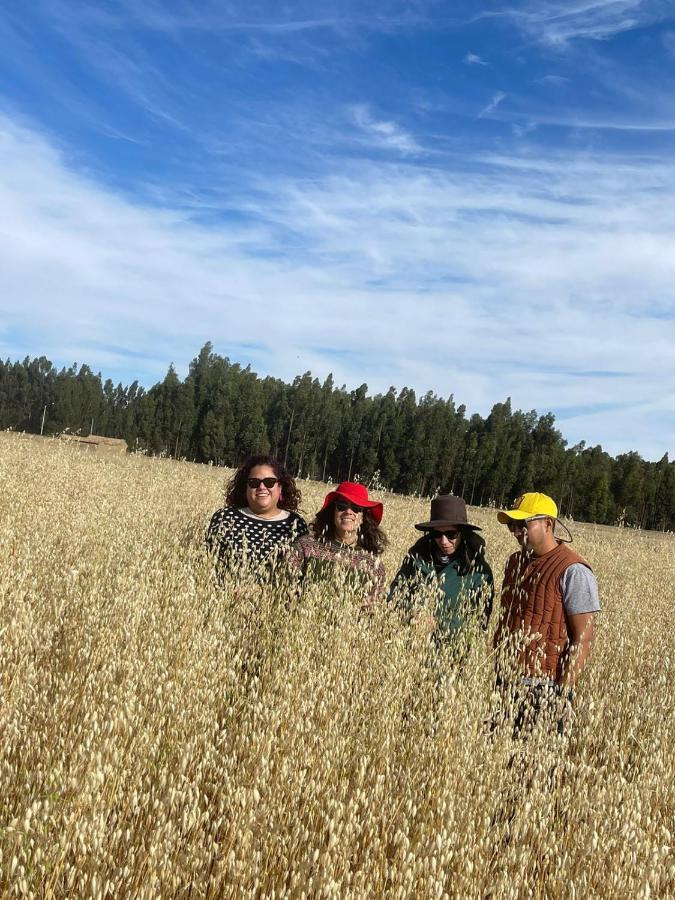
(370, 535)
(236, 488)
(471, 551)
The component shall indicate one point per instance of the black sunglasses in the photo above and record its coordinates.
(256, 482)
(342, 505)
(521, 524)
(450, 534)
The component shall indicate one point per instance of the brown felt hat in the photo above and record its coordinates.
(447, 510)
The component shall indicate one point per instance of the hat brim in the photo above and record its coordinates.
(513, 515)
(376, 508)
(518, 515)
(445, 523)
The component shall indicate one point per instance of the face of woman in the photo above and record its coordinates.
(347, 519)
(263, 500)
(447, 540)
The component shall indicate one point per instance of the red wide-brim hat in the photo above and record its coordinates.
(357, 494)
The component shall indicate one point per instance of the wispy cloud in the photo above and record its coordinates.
(385, 134)
(555, 80)
(472, 59)
(556, 23)
(263, 17)
(502, 279)
(489, 108)
(521, 131)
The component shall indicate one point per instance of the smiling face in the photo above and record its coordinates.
(347, 519)
(263, 500)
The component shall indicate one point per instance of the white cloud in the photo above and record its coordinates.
(549, 279)
(384, 134)
(556, 80)
(263, 17)
(495, 100)
(472, 59)
(521, 131)
(559, 22)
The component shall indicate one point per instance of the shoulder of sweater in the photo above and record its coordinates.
(362, 553)
(225, 514)
(366, 554)
(305, 543)
(296, 519)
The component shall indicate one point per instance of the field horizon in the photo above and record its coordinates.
(381, 494)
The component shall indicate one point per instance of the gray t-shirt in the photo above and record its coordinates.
(579, 590)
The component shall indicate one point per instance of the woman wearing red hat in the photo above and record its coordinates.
(450, 560)
(345, 532)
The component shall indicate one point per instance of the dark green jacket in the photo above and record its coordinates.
(458, 597)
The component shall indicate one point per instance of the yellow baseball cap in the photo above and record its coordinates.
(528, 505)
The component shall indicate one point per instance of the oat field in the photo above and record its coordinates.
(161, 736)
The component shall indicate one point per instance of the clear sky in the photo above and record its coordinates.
(474, 198)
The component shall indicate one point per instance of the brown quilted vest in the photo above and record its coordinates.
(532, 603)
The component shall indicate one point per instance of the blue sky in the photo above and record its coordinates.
(472, 198)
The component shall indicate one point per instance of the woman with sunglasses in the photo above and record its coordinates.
(259, 521)
(449, 558)
(346, 538)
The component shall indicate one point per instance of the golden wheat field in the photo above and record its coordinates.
(161, 736)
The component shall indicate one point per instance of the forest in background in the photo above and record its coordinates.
(421, 445)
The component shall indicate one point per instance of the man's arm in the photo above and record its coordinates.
(580, 636)
(581, 600)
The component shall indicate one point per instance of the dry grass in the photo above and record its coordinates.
(163, 737)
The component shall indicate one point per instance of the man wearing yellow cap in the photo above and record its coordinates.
(548, 601)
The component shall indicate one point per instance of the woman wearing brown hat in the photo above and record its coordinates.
(345, 533)
(451, 558)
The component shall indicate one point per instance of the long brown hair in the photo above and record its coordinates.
(236, 488)
(370, 535)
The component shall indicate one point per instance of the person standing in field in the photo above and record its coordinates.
(449, 558)
(347, 540)
(548, 603)
(259, 521)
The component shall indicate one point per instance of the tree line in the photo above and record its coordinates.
(421, 445)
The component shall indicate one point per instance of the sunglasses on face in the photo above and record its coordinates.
(523, 523)
(255, 483)
(343, 505)
(451, 534)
